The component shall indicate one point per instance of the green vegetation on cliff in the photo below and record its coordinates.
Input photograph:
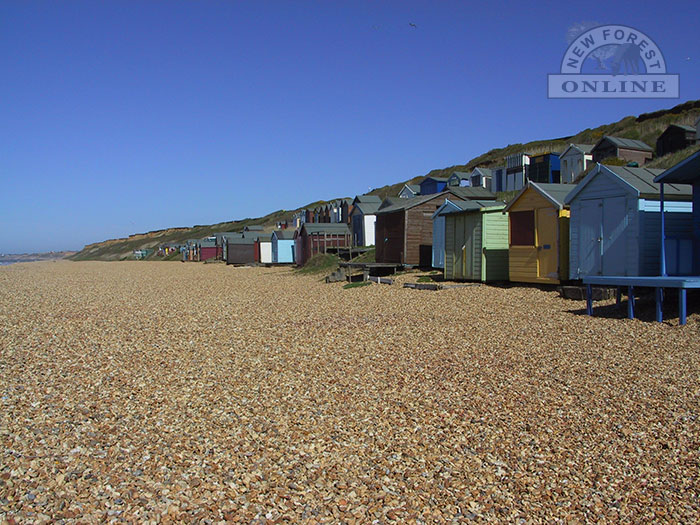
(647, 127)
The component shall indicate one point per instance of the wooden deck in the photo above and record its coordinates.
(658, 283)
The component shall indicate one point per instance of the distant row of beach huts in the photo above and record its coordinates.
(556, 228)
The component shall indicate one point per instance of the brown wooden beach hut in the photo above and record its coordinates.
(315, 238)
(240, 251)
(404, 230)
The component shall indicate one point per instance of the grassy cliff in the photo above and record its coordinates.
(646, 127)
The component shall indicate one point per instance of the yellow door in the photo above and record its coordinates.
(547, 246)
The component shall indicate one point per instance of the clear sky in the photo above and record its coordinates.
(123, 117)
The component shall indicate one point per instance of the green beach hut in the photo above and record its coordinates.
(476, 241)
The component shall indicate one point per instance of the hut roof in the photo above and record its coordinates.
(681, 126)
(465, 206)
(626, 143)
(390, 201)
(639, 179)
(554, 193)
(262, 236)
(367, 199)
(368, 208)
(583, 148)
(473, 192)
(326, 227)
(284, 234)
(406, 204)
(484, 171)
(243, 240)
(253, 228)
(465, 193)
(686, 171)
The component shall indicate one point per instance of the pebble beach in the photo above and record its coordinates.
(166, 392)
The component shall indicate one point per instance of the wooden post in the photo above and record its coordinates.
(681, 306)
(589, 299)
(630, 302)
(659, 304)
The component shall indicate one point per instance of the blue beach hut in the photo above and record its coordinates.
(439, 232)
(282, 246)
(615, 224)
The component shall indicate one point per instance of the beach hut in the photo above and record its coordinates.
(574, 161)
(208, 249)
(685, 172)
(263, 244)
(409, 191)
(615, 223)
(516, 166)
(459, 178)
(481, 177)
(316, 238)
(432, 185)
(675, 137)
(346, 210)
(476, 241)
(363, 218)
(538, 247)
(221, 240)
(544, 167)
(240, 251)
(283, 246)
(626, 149)
(404, 229)
(439, 232)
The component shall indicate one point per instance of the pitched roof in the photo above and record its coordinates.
(640, 179)
(253, 228)
(389, 201)
(686, 171)
(325, 227)
(263, 236)
(467, 193)
(448, 204)
(484, 171)
(367, 198)
(476, 205)
(243, 240)
(367, 208)
(406, 204)
(682, 126)
(583, 148)
(284, 234)
(554, 193)
(625, 143)
(473, 192)
(436, 179)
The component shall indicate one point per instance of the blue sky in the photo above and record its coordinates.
(124, 117)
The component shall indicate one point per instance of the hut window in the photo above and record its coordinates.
(522, 228)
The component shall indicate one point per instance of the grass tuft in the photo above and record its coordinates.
(320, 263)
